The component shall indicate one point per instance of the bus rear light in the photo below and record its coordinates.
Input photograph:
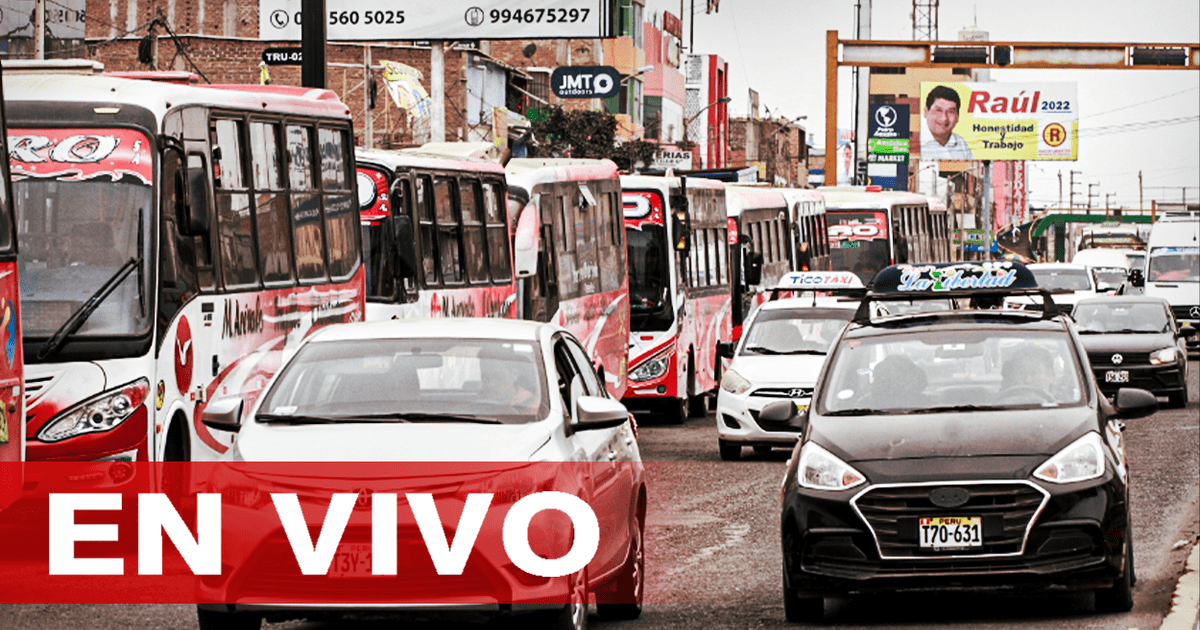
(101, 413)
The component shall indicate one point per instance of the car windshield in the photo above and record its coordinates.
(1062, 279)
(1174, 264)
(947, 370)
(1121, 317)
(1111, 276)
(799, 331)
(410, 380)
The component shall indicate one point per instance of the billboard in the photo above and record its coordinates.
(887, 146)
(999, 121)
(388, 20)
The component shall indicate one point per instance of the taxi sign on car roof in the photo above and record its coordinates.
(958, 278)
(833, 282)
(954, 279)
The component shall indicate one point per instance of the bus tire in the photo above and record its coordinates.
(676, 411)
(697, 406)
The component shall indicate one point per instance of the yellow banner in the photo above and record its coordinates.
(999, 121)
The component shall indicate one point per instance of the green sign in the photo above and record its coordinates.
(888, 145)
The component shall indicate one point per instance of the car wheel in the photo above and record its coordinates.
(220, 620)
(801, 609)
(1119, 596)
(730, 451)
(624, 597)
(1177, 400)
(573, 616)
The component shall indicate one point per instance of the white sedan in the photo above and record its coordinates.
(475, 395)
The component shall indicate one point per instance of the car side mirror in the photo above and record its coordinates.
(1132, 402)
(598, 412)
(725, 349)
(784, 411)
(224, 414)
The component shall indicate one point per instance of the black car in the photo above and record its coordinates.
(957, 448)
(1135, 341)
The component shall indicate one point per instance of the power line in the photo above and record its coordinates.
(1153, 100)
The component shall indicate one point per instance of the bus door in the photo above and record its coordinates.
(544, 290)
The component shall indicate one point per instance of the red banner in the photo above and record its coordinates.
(79, 154)
(320, 533)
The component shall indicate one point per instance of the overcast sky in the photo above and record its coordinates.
(776, 47)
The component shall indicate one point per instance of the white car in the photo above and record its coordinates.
(1069, 282)
(780, 354)
(483, 394)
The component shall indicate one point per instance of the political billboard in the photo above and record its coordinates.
(999, 121)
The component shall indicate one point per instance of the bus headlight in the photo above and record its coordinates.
(653, 368)
(102, 412)
(1166, 355)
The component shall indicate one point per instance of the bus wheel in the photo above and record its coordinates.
(675, 411)
(697, 405)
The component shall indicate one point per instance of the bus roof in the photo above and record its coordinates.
(741, 198)
(851, 197)
(663, 183)
(160, 97)
(529, 172)
(392, 160)
(801, 194)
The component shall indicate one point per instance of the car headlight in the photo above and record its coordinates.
(655, 367)
(820, 470)
(1166, 355)
(1083, 459)
(100, 413)
(734, 383)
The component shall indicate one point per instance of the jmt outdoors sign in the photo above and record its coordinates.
(390, 20)
(585, 82)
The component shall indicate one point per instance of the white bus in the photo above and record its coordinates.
(176, 241)
(870, 228)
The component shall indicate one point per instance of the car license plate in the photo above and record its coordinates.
(951, 532)
(1116, 376)
(352, 560)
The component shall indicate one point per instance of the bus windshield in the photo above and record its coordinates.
(648, 274)
(74, 236)
(858, 242)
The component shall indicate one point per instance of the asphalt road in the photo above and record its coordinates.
(713, 558)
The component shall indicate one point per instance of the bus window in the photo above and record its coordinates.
(306, 205)
(270, 213)
(235, 230)
(474, 248)
(499, 259)
(424, 207)
(449, 254)
(341, 211)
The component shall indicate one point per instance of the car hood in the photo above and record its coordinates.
(393, 442)
(788, 369)
(950, 435)
(1145, 342)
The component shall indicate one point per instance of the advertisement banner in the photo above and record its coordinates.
(999, 121)
(389, 20)
(888, 146)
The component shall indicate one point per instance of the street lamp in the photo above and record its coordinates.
(687, 122)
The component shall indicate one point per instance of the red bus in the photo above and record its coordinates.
(569, 254)
(679, 292)
(436, 237)
(12, 377)
(177, 240)
(759, 243)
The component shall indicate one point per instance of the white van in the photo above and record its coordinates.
(1110, 265)
(1173, 266)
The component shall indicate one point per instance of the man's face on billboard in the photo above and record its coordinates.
(941, 117)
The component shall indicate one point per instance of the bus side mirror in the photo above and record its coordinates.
(405, 252)
(753, 270)
(725, 349)
(192, 211)
(681, 224)
(525, 243)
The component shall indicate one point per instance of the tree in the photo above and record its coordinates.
(588, 134)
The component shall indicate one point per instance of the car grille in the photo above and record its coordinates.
(1105, 359)
(1184, 312)
(1007, 510)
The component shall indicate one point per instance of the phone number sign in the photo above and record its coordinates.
(389, 20)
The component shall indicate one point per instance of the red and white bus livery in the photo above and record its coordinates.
(569, 254)
(679, 292)
(436, 235)
(176, 241)
(12, 362)
(759, 237)
(870, 228)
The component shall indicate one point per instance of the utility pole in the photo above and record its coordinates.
(1106, 205)
(312, 44)
(1090, 195)
(1141, 202)
(39, 29)
(1073, 174)
(437, 91)
(1060, 189)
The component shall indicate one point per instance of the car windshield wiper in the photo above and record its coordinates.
(1132, 331)
(762, 350)
(422, 417)
(957, 408)
(85, 310)
(275, 418)
(861, 412)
